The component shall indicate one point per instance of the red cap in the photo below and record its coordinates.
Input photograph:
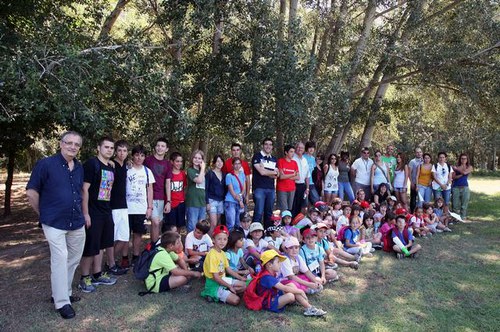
(220, 229)
(365, 204)
(309, 232)
(275, 218)
(401, 211)
(319, 203)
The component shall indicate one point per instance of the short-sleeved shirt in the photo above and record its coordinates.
(137, 194)
(385, 228)
(234, 258)
(363, 170)
(202, 245)
(391, 163)
(342, 221)
(312, 257)
(195, 196)
(269, 163)
(291, 230)
(288, 168)
(228, 166)
(215, 262)
(260, 247)
(291, 267)
(165, 262)
(101, 178)
(275, 243)
(414, 164)
(351, 236)
(178, 183)
(416, 222)
(441, 172)
(162, 170)
(60, 192)
(237, 188)
(311, 161)
(303, 168)
(119, 190)
(397, 233)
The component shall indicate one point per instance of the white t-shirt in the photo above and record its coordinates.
(442, 175)
(275, 243)
(331, 180)
(363, 170)
(343, 221)
(289, 267)
(202, 245)
(303, 168)
(262, 245)
(137, 202)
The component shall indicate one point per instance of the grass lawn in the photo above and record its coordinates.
(453, 286)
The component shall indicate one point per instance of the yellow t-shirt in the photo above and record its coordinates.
(215, 262)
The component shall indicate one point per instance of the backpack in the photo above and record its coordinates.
(341, 233)
(252, 299)
(388, 243)
(143, 264)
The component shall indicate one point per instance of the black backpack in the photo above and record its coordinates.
(143, 264)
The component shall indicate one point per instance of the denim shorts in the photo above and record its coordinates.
(216, 207)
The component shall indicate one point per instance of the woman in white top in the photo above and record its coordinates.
(401, 175)
(331, 175)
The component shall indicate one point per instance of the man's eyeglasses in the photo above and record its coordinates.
(75, 144)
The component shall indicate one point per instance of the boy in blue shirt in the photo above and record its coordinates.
(405, 237)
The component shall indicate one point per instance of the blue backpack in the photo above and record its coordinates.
(143, 265)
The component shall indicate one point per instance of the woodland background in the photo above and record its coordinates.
(205, 73)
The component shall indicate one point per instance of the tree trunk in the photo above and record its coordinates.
(337, 34)
(111, 19)
(292, 16)
(8, 183)
(281, 29)
(494, 161)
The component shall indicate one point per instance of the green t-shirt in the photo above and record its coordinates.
(163, 259)
(391, 162)
(195, 195)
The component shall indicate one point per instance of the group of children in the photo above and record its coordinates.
(287, 259)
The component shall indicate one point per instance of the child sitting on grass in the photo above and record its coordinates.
(234, 254)
(432, 220)
(198, 243)
(314, 255)
(352, 239)
(442, 211)
(273, 295)
(164, 273)
(368, 233)
(417, 223)
(274, 238)
(286, 222)
(406, 238)
(218, 287)
(332, 258)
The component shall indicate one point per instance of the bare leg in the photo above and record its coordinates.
(233, 299)
(136, 244)
(285, 299)
(97, 266)
(177, 281)
(110, 256)
(155, 229)
(85, 264)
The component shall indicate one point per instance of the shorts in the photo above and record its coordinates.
(334, 192)
(432, 227)
(176, 216)
(165, 283)
(158, 206)
(400, 190)
(274, 303)
(122, 229)
(215, 291)
(216, 207)
(136, 223)
(100, 235)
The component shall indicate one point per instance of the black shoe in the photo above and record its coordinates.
(117, 270)
(72, 299)
(66, 311)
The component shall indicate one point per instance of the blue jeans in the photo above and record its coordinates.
(313, 194)
(345, 187)
(232, 211)
(195, 214)
(264, 203)
(425, 193)
(446, 194)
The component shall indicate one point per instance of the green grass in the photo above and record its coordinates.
(453, 286)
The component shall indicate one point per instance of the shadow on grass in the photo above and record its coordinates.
(484, 207)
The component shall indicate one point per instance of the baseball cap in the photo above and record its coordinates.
(318, 204)
(393, 198)
(320, 225)
(274, 228)
(220, 229)
(286, 213)
(309, 232)
(275, 218)
(256, 226)
(291, 241)
(270, 254)
(365, 204)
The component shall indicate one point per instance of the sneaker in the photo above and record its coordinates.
(439, 231)
(125, 263)
(450, 223)
(354, 265)
(117, 270)
(358, 257)
(414, 255)
(399, 255)
(312, 311)
(104, 279)
(85, 285)
(372, 250)
(377, 246)
(447, 229)
(333, 266)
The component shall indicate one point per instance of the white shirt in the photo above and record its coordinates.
(202, 245)
(137, 201)
(363, 170)
(289, 268)
(303, 168)
(275, 243)
(441, 173)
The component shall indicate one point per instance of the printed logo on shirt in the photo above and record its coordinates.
(176, 186)
(107, 179)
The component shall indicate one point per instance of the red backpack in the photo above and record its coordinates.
(388, 243)
(251, 297)
(341, 233)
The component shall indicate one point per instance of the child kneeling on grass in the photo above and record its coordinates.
(218, 287)
(406, 238)
(267, 292)
(168, 275)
